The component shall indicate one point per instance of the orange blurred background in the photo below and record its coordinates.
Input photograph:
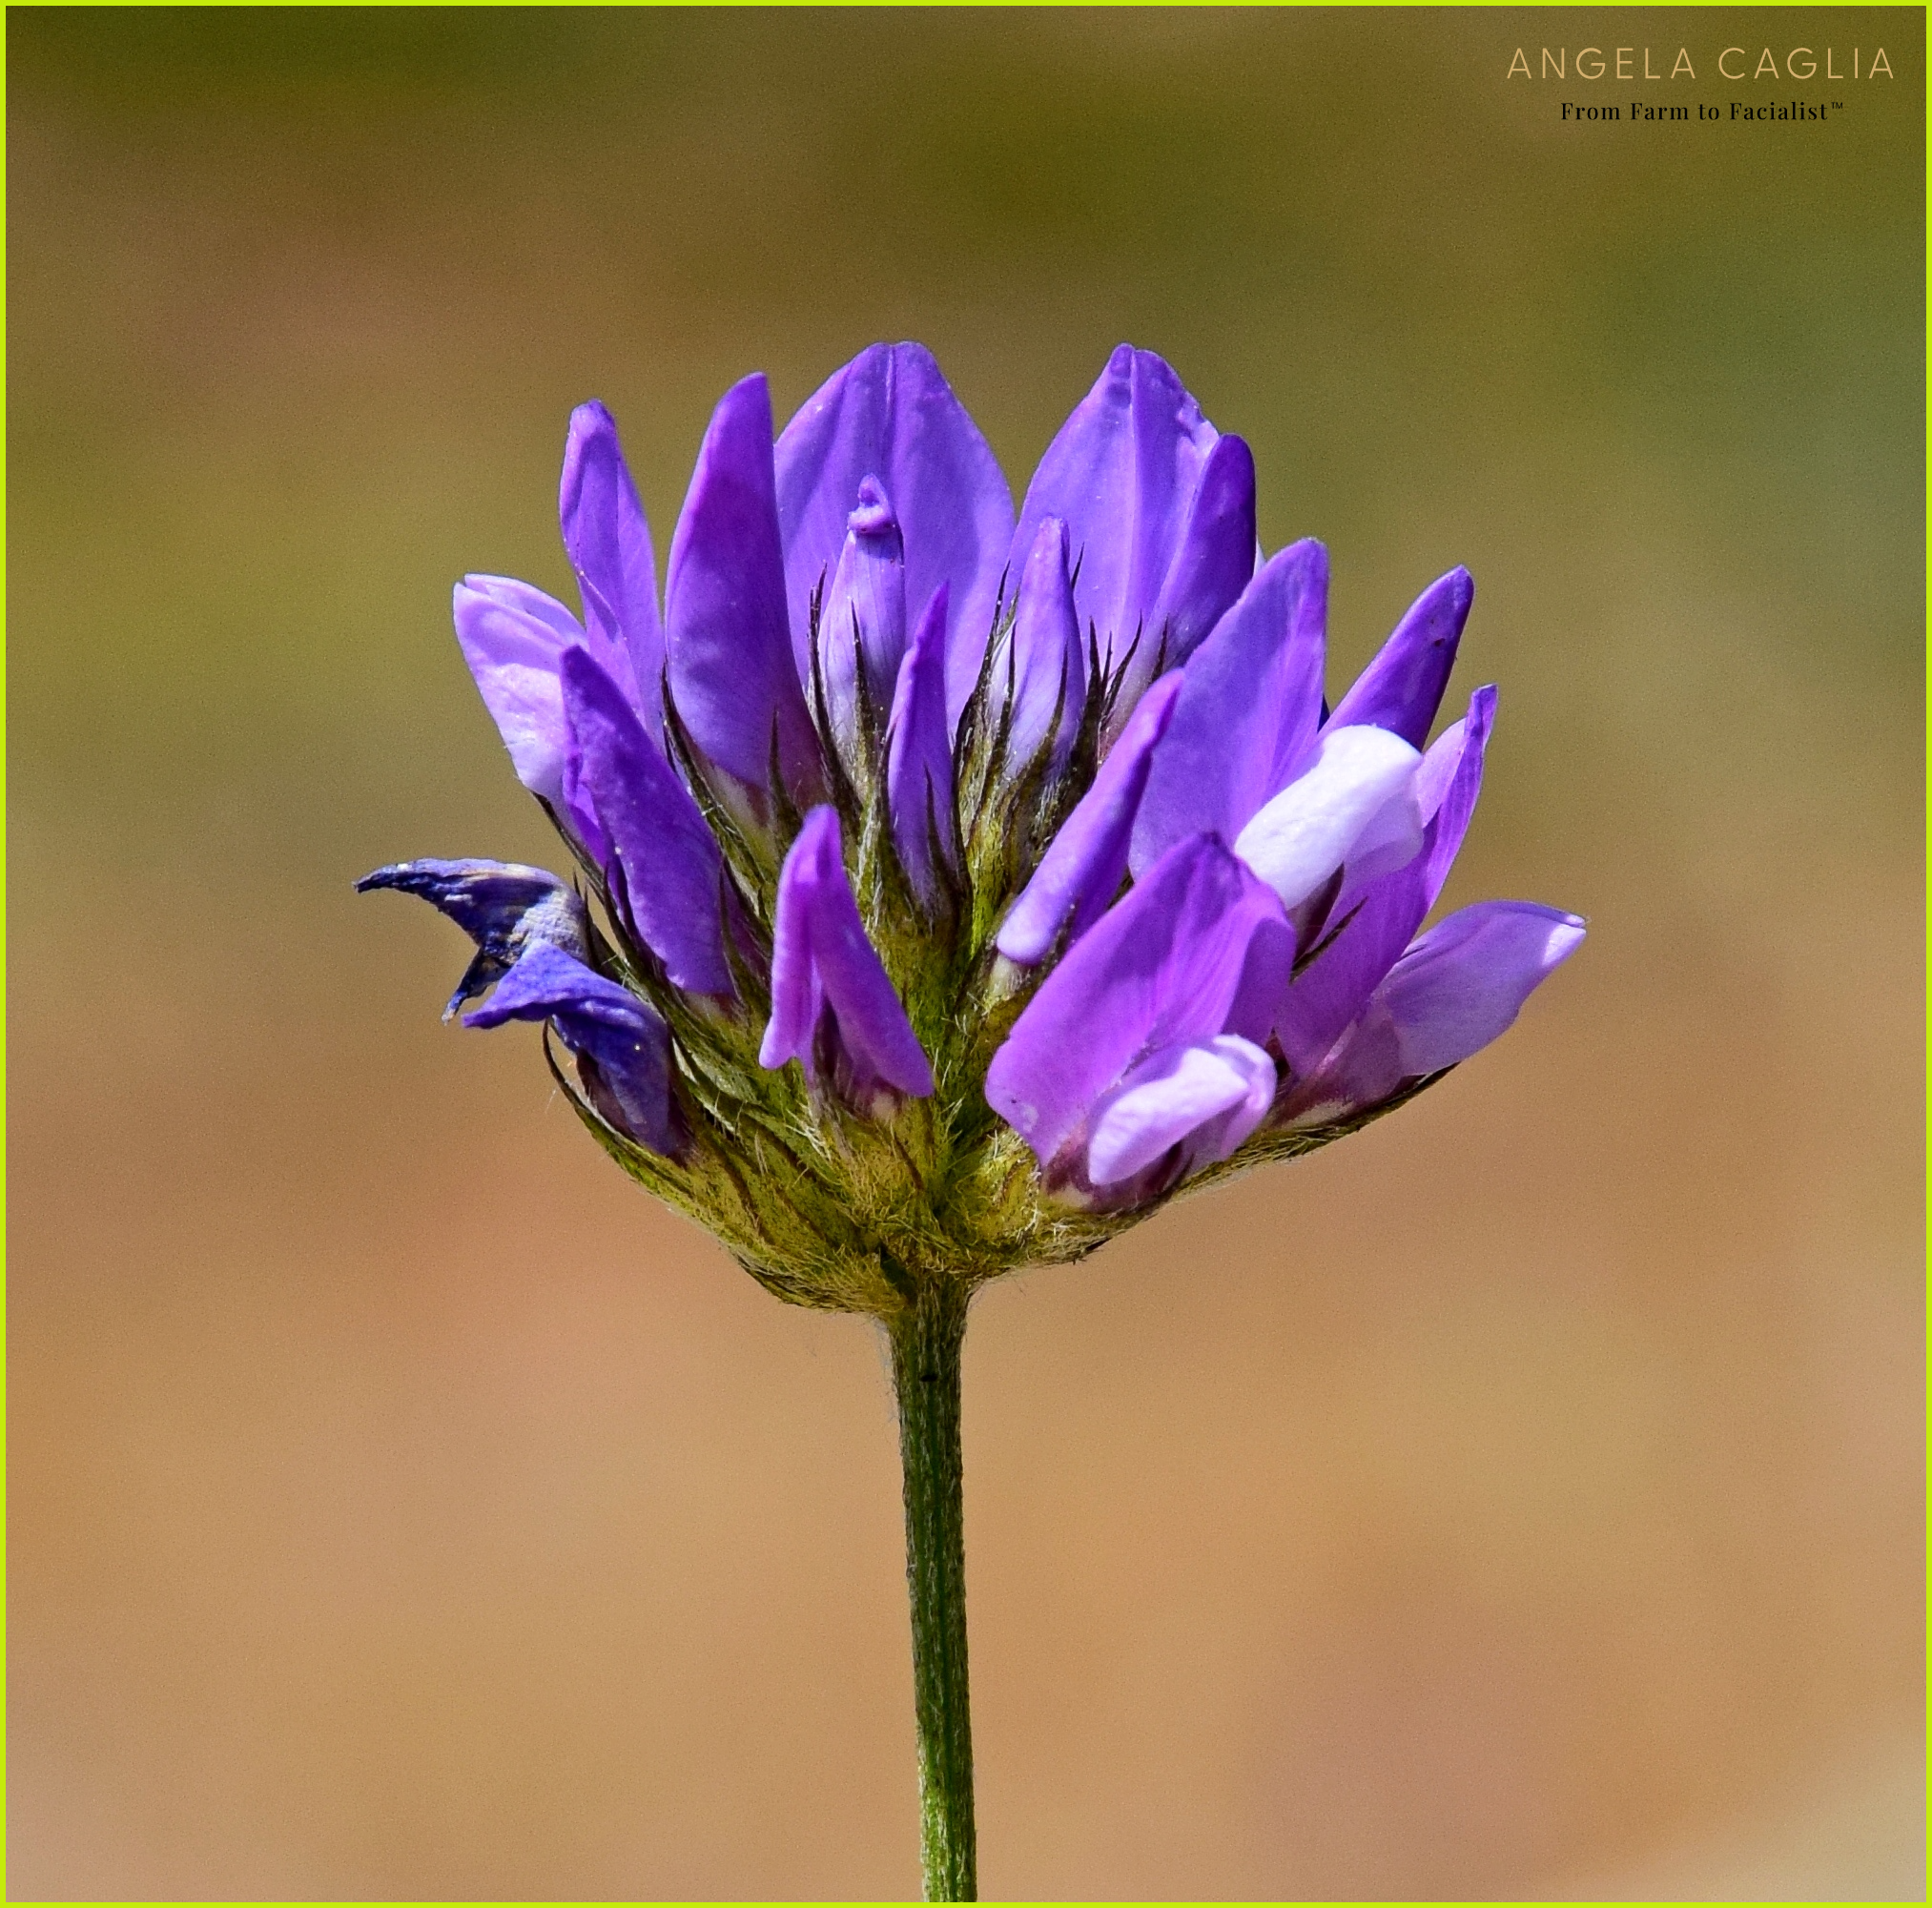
(1525, 1498)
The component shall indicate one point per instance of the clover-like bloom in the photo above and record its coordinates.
(953, 888)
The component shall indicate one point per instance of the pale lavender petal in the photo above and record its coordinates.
(1081, 869)
(1046, 666)
(1379, 919)
(1250, 702)
(513, 638)
(732, 673)
(1162, 965)
(863, 616)
(1463, 983)
(1402, 688)
(1360, 778)
(662, 863)
(1449, 996)
(1209, 1095)
(501, 905)
(829, 991)
(890, 413)
(920, 753)
(1122, 474)
(622, 1048)
(609, 542)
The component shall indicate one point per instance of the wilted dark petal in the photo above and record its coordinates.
(1209, 1094)
(920, 753)
(823, 965)
(1163, 967)
(1122, 474)
(1357, 795)
(609, 542)
(625, 1045)
(501, 905)
(891, 415)
(732, 672)
(1250, 702)
(1081, 872)
(513, 638)
(1402, 688)
(662, 862)
(1211, 567)
(1047, 664)
(863, 617)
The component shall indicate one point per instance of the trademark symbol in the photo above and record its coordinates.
(1837, 106)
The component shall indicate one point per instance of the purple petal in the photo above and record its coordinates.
(828, 988)
(1081, 872)
(864, 613)
(1211, 1094)
(1122, 474)
(1211, 567)
(731, 668)
(891, 415)
(1358, 794)
(920, 753)
(1379, 919)
(513, 638)
(1163, 967)
(1402, 688)
(501, 905)
(1463, 982)
(1250, 702)
(1047, 664)
(1333, 991)
(609, 542)
(1450, 820)
(1449, 996)
(623, 1048)
(662, 862)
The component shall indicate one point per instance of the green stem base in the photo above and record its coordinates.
(926, 1339)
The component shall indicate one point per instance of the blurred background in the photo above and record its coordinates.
(1522, 1498)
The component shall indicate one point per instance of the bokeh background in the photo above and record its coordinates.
(1522, 1498)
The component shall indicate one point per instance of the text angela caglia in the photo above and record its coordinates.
(1729, 62)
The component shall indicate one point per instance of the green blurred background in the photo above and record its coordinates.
(1525, 1497)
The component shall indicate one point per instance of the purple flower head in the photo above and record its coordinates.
(1033, 844)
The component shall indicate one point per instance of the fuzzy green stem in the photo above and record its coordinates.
(926, 1342)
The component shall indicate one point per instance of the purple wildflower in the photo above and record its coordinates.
(1020, 836)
